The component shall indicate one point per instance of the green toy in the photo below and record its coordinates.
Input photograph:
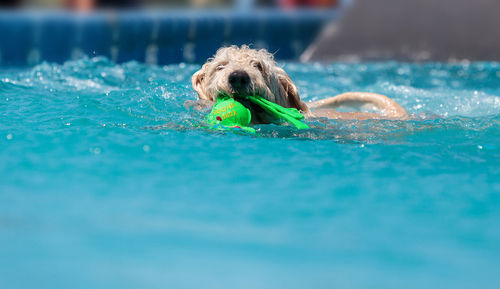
(229, 113)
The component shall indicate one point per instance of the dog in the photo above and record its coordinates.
(241, 71)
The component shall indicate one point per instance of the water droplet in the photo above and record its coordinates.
(9, 136)
(146, 148)
(480, 147)
(95, 150)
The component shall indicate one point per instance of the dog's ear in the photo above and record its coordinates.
(196, 81)
(291, 93)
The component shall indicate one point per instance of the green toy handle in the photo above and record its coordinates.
(291, 115)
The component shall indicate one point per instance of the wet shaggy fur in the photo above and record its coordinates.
(267, 79)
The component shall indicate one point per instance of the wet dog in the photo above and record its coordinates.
(241, 71)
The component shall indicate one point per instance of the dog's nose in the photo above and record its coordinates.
(239, 79)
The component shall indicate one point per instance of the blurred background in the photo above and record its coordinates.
(87, 5)
(174, 31)
(157, 32)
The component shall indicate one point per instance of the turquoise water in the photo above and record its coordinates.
(106, 182)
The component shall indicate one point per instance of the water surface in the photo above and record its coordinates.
(107, 181)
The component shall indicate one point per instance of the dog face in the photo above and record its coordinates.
(244, 71)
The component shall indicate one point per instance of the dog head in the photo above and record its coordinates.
(245, 71)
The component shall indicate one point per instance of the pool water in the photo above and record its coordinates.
(107, 181)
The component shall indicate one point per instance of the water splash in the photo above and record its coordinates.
(134, 95)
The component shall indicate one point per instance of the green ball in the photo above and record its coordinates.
(229, 112)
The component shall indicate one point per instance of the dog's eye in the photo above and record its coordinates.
(220, 67)
(259, 66)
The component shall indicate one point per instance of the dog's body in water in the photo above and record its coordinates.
(241, 71)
